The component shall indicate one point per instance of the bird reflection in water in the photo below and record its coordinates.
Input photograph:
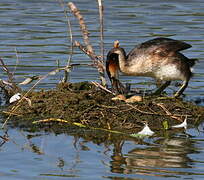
(153, 160)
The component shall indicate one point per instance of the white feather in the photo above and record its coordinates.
(182, 125)
(15, 98)
(146, 131)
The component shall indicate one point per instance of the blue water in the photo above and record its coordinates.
(34, 35)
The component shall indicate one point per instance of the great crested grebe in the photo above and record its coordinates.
(158, 58)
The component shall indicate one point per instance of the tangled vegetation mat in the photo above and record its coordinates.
(86, 106)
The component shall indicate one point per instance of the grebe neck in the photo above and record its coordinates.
(121, 58)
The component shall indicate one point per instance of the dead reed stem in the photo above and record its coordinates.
(169, 114)
(17, 62)
(69, 28)
(8, 86)
(82, 24)
(101, 69)
(10, 75)
(102, 87)
(100, 7)
(88, 49)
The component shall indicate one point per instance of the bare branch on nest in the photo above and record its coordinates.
(17, 62)
(102, 87)
(87, 52)
(9, 74)
(174, 116)
(88, 49)
(66, 73)
(82, 24)
(9, 87)
(100, 7)
(101, 67)
(169, 114)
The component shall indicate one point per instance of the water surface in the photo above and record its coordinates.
(34, 35)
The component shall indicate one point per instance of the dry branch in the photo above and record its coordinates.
(102, 87)
(87, 52)
(169, 114)
(10, 75)
(88, 49)
(82, 24)
(9, 87)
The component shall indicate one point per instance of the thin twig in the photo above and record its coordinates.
(99, 64)
(5, 138)
(174, 116)
(10, 75)
(168, 112)
(10, 113)
(101, 68)
(8, 86)
(100, 7)
(66, 73)
(102, 87)
(81, 64)
(87, 52)
(17, 62)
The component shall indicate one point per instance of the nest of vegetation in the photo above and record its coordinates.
(86, 105)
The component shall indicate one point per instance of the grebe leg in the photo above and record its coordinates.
(161, 88)
(118, 87)
(182, 88)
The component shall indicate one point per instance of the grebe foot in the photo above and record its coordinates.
(182, 88)
(118, 87)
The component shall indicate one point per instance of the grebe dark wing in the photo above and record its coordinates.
(161, 46)
(179, 45)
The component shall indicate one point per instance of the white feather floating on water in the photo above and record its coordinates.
(146, 131)
(182, 125)
(15, 98)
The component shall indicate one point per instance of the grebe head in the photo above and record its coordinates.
(112, 67)
(117, 49)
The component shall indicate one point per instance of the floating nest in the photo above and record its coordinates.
(84, 105)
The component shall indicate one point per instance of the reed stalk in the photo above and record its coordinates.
(88, 49)
(70, 35)
(100, 7)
